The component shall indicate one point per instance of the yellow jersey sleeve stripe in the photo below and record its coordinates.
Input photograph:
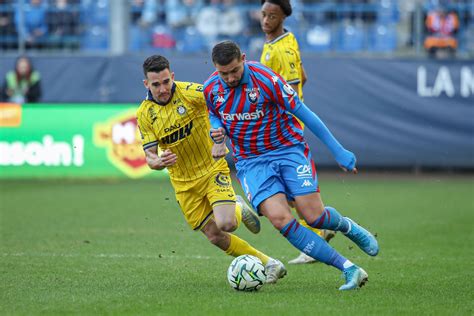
(222, 202)
(294, 81)
(149, 145)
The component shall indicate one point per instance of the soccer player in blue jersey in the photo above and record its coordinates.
(257, 109)
(281, 53)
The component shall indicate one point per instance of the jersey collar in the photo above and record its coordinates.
(285, 34)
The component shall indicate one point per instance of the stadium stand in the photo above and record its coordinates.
(193, 26)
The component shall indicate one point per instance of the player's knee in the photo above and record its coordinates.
(311, 213)
(280, 220)
(227, 226)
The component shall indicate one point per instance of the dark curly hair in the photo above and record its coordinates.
(285, 5)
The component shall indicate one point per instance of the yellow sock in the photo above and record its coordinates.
(240, 247)
(317, 231)
(238, 213)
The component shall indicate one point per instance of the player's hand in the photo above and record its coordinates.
(347, 161)
(218, 135)
(219, 151)
(168, 158)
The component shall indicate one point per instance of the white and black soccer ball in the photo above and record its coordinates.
(246, 273)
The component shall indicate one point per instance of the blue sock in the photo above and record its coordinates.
(312, 245)
(332, 220)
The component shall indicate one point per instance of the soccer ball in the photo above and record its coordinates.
(246, 273)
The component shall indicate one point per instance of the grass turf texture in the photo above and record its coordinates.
(124, 248)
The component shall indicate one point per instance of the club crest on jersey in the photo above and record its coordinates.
(181, 110)
(252, 96)
(288, 89)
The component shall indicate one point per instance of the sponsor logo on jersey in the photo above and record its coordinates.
(178, 134)
(222, 180)
(305, 172)
(172, 127)
(246, 116)
(120, 136)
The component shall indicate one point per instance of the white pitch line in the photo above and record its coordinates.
(104, 255)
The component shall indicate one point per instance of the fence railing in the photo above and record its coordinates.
(126, 26)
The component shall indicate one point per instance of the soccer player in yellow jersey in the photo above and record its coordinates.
(174, 119)
(281, 53)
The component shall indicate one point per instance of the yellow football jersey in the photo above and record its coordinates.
(283, 56)
(182, 126)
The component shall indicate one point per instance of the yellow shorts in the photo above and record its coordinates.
(197, 198)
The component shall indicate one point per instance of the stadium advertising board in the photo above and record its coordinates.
(71, 140)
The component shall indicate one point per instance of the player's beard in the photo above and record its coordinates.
(164, 98)
(233, 84)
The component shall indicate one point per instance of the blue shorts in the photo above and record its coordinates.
(289, 170)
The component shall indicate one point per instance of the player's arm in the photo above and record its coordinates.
(159, 162)
(217, 132)
(294, 105)
(304, 78)
(344, 157)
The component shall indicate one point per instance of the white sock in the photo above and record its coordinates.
(347, 264)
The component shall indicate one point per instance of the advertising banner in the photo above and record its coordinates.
(71, 140)
(390, 112)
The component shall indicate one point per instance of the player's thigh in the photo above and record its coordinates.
(260, 180)
(193, 203)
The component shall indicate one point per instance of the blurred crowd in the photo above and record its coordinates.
(195, 25)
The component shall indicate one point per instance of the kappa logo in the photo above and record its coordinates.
(309, 247)
(306, 183)
(220, 99)
(121, 138)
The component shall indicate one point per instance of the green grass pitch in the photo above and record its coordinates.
(123, 247)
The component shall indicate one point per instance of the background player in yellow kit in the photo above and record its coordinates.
(174, 119)
(281, 53)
